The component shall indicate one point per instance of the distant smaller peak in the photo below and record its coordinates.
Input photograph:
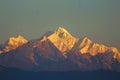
(18, 37)
(16, 40)
(113, 49)
(86, 39)
(44, 38)
(13, 43)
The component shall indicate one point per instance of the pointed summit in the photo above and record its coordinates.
(85, 42)
(62, 30)
(85, 45)
(62, 39)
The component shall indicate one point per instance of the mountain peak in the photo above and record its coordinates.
(14, 42)
(61, 30)
(61, 50)
(62, 39)
(85, 45)
(16, 38)
(19, 39)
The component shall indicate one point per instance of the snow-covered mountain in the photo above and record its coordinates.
(59, 50)
(13, 43)
(63, 40)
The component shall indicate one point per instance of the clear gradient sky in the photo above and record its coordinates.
(99, 20)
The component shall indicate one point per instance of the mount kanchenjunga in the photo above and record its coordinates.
(59, 50)
(63, 40)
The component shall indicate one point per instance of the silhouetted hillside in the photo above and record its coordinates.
(15, 74)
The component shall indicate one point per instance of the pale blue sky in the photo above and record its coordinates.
(99, 20)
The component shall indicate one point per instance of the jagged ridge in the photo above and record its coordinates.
(59, 50)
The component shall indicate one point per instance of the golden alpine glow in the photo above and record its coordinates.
(14, 42)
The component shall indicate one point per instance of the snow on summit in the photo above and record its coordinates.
(13, 43)
(62, 39)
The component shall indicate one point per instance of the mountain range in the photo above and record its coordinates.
(58, 51)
